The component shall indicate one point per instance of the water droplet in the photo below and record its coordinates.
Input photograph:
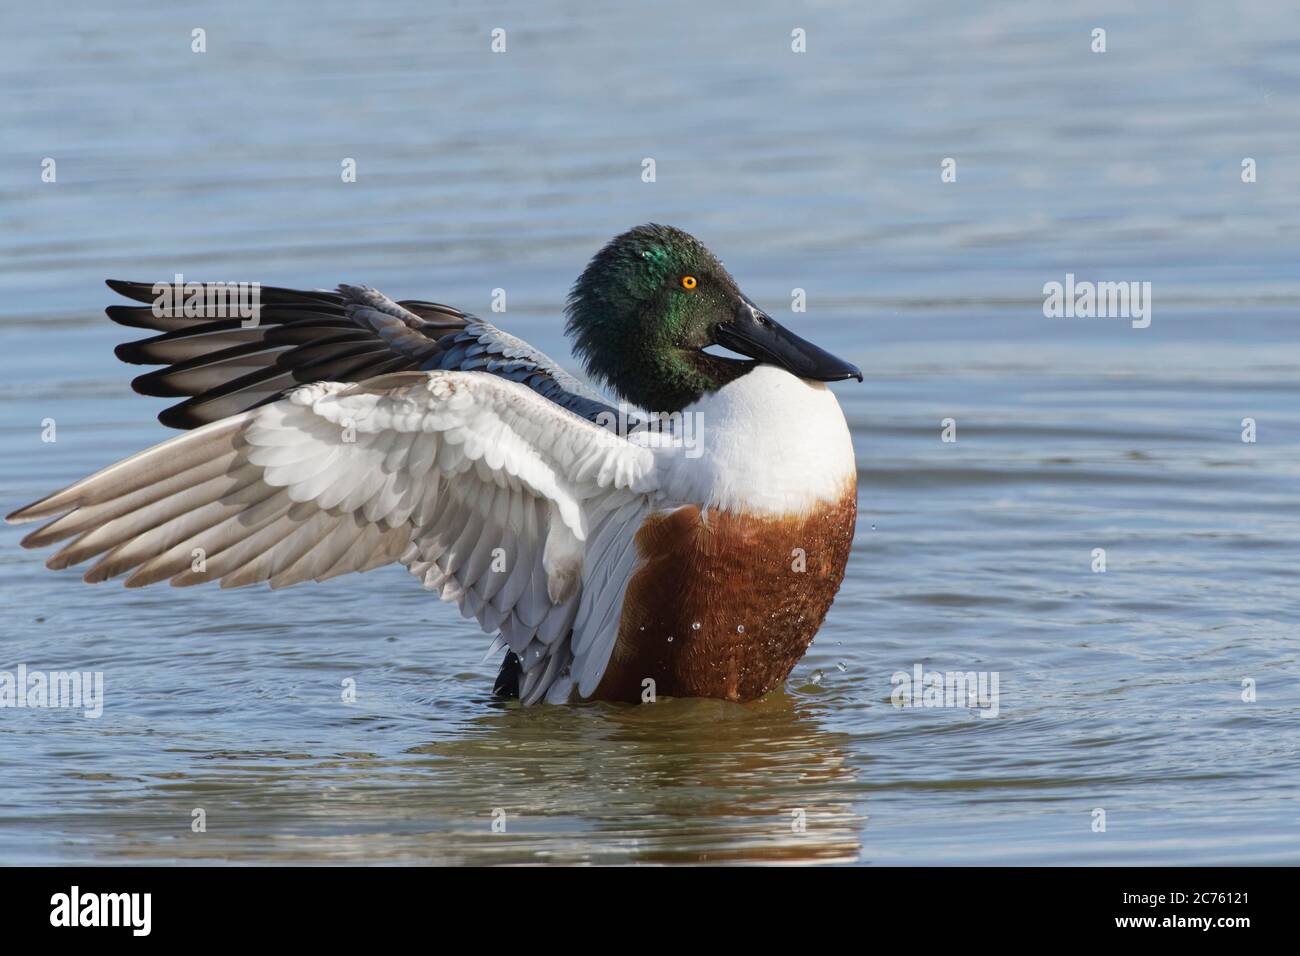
(842, 666)
(740, 629)
(873, 527)
(695, 626)
(670, 640)
(817, 677)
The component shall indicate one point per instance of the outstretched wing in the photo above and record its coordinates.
(495, 497)
(228, 349)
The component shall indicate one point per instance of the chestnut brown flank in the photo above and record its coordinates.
(735, 576)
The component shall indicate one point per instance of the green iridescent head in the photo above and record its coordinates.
(649, 304)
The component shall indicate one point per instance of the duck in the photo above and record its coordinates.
(684, 538)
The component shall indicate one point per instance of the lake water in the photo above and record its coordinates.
(1119, 691)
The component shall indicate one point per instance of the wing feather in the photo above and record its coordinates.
(491, 494)
(223, 365)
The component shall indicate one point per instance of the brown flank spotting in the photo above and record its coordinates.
(733, 574)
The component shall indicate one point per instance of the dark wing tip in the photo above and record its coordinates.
(155, 384)
(178, 416)
(128, 352)
(138, 291)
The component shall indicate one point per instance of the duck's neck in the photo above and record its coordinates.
(667, 380)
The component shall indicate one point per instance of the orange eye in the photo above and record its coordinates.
(689, 282)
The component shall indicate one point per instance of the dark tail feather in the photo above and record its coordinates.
(507, 685)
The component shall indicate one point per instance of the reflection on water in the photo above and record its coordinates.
(820, 171)
(684, 781)
(687, 781)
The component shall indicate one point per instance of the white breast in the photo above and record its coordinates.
(768, 443)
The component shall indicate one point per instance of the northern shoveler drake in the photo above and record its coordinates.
(342, 431)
